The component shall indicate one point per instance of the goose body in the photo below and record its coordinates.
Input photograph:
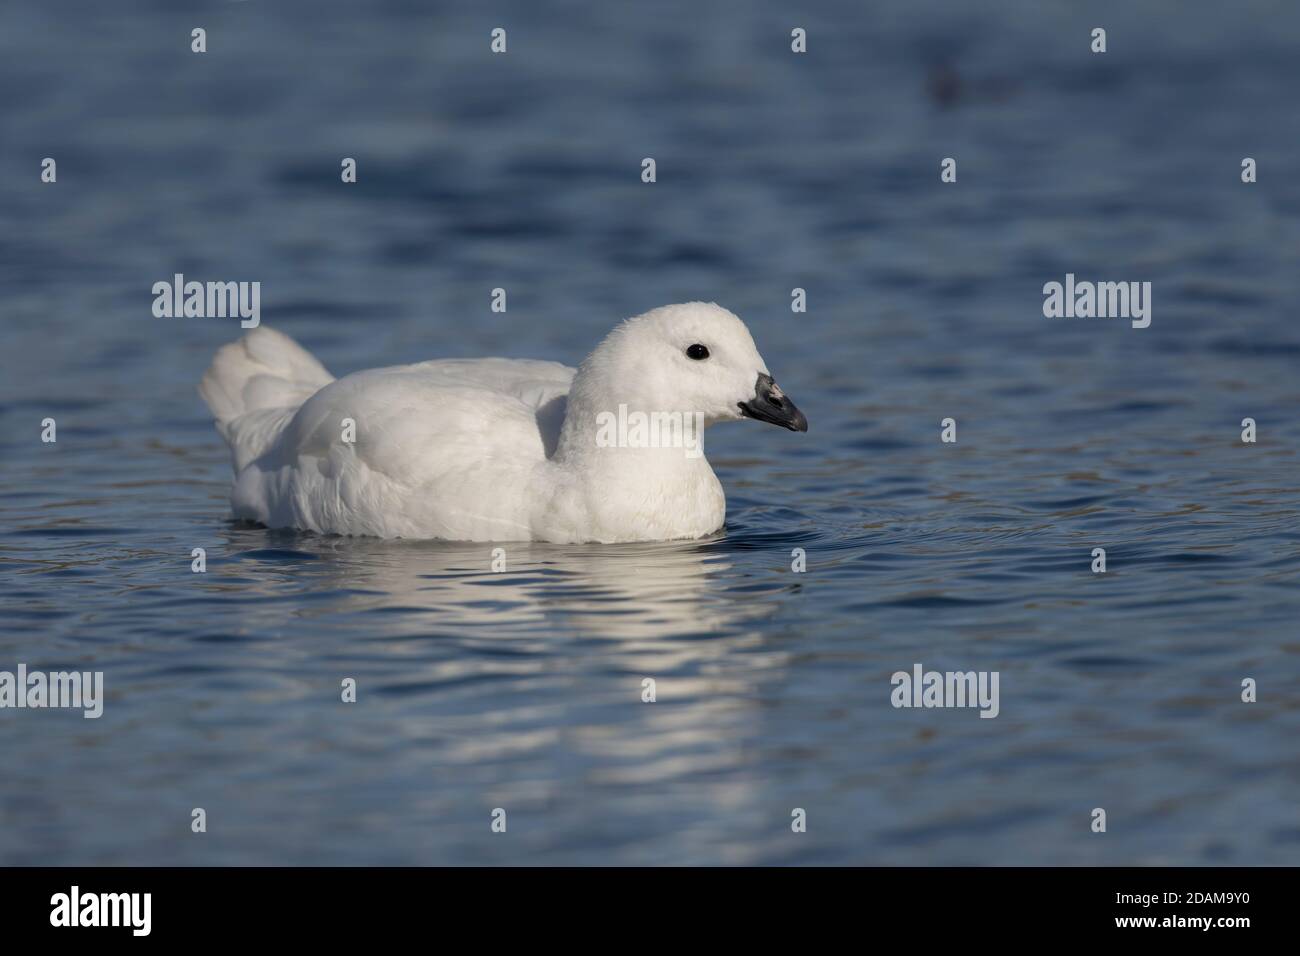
(494, 449)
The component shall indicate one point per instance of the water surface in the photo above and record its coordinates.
(522, 689)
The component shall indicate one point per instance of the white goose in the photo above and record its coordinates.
(495, 449)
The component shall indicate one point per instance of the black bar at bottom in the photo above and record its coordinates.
(338, 905)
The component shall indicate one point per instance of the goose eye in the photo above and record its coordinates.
(697, 352)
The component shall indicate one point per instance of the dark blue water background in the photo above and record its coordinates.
(522, 690)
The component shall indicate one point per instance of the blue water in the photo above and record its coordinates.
(522, 690)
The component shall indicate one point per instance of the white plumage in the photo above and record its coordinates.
(489, 449)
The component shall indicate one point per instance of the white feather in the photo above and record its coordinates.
(481, 450)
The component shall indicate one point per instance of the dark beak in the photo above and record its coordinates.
(769, 404)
